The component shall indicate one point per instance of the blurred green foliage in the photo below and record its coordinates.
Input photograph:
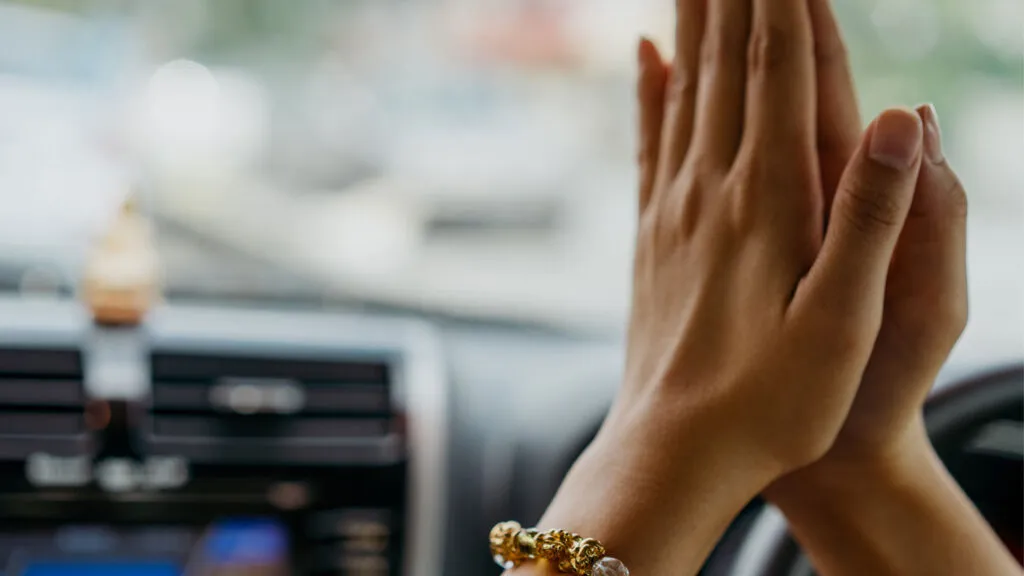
(233, 27)
(279, 34)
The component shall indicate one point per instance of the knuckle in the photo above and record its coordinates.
(683, 85)
(953, 318)
(931, 327)
(747, 181)
(679, 86)
(702, 168)
(830, 52)
(647, 152)
(956, 195)
(749, 173)
(770, 48)
(723, 47)
(743, 211)
(870, 209)
(682, 214)
(677, 214)
(689, 218)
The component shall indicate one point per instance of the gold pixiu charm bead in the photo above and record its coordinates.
(511, 545)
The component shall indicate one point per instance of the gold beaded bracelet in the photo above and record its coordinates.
(511, 545)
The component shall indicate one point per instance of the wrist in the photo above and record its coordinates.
(646, 486)
(890, 512)
(849, 473)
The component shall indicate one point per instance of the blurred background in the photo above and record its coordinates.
(472, 157)
(465, 162)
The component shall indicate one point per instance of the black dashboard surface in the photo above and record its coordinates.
(484, 403)
(485, 406)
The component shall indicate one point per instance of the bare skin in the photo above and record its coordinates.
(747, 160)
(880, 502)
(751, 326)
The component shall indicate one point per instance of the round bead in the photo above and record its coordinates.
(609, 567)
(506, 564)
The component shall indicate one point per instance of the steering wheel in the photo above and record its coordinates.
(975, 426)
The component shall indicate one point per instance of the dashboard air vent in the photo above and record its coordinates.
(204, 396)
(40, 392)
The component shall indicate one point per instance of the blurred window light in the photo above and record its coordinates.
(195, 117)
(473, 155)
(183, 100)
(997, 23)
(45, 42)
(910, 29)
(370, 234)
(41, 282)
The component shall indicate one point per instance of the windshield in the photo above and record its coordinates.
(468, 156)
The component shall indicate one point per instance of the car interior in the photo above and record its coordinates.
(332, 287)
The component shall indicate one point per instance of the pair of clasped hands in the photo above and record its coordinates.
(799, 281)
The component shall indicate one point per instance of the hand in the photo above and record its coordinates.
(751, 327)
(926, 294)
(744, 317)
(879, 501)
(925, 311)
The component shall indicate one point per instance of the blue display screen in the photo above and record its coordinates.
(99, 551)
(102, 569)
(246, 542)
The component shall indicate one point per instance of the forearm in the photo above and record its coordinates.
(656, 515)
(903, 515)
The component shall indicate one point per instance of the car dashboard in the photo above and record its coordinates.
(334, 441)
(323, 433)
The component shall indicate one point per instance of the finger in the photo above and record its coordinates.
(682, 89)
(723, 81)
(927, 281)
(933, 244)
(651, 96)
(781, 99)
(939, 191)
(839, 126)
(871, 205)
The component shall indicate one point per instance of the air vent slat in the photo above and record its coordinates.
(352, 398)
(333, 451)
(268, 427)
(319, 398)
(41, 400)
(30, 392)
(39, 424)
(203, 398)
(195, 367)
(40, 363)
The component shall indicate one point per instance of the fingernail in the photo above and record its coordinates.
(932, 133)
(897, 139)
(641, 51)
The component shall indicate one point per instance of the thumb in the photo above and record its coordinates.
(868, 213)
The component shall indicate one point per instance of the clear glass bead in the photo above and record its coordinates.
(610, 567)
(506, 564)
